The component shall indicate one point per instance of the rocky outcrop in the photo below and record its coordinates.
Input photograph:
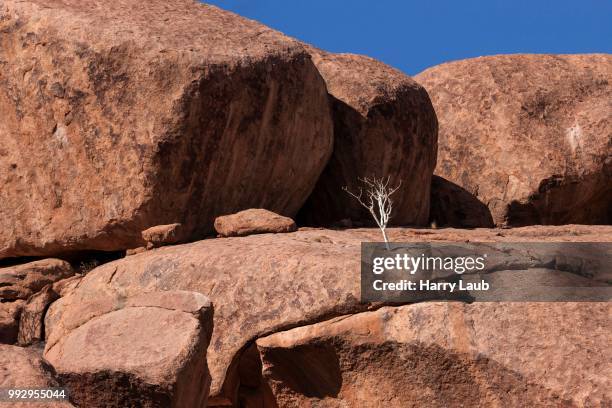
(261, 284)
(253, 221)
(528, 135)
(384, 126)
(32, 316)
(135, 115)
(453, 206)
(446, 355)
(19, 287)
(22, 281)
(24, 367)
(147, 350)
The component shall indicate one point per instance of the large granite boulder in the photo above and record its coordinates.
(260, 284)
(119, 115)
(384, 126)
(147, 350)
(528, 135)
(446, 355)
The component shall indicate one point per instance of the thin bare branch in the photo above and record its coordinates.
(378, 201)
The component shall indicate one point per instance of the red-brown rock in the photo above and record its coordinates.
(161, 235)
(24, 368)
(384, 126)
(261, 284)
(31, 321)
(530, 136)
(446, 355)
(147, 350)
(253, 221)
(121, 115)
(9, 321)
(22, 281)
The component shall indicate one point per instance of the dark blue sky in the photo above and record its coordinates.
(415, 34)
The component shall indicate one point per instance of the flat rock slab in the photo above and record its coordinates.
(262, 284)
(253, 221)
(148, 350)
(446, 355)
(529, 136)
(122, 115)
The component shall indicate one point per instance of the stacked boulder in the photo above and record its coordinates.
(150, 125)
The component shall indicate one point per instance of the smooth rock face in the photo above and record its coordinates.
(22, 281)
(528, 135)
(137, 114)
(253, 221)
(274, 282)
(446, 355)
(384, 126)
(24, 367)
(453, 206)
(148, 350)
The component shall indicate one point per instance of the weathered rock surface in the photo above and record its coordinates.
(25, 292)
(161, 235)
(24, 367)
(22, 281)
(384, 126)
(453, 206)
(446, 355)
(136, 114)
(31, 321)
(147, 350)
(262, 284)
(9, 321)
(22, 321)
(528, 135)
(253, 221)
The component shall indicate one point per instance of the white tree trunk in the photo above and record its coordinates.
(384, 233)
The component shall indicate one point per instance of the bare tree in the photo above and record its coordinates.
(377, 200)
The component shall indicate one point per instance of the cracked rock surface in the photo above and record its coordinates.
(148, 350)
(262, 284)
(446, 355)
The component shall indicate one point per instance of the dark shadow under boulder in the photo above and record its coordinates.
(453, 206)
